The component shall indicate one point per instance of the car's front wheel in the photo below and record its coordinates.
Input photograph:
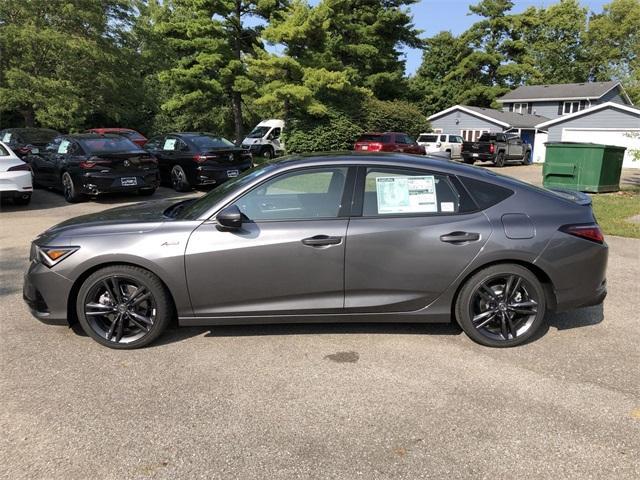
(123, 307)
(501, 306)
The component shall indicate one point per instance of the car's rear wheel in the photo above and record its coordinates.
(499, 162)
(501, 306)
(69, 189)
(468, 161)
(179, 180)
(123, 307)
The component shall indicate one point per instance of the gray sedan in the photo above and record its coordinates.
(327, 238)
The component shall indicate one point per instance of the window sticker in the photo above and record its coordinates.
(406, 194)
(64, 146)
(169, 144)
(447, 206)
(7, 137)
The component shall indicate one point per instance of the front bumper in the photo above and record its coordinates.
(214, 175)
(94, 183)
(46, 293)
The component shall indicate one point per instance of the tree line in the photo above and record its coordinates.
(331, 69)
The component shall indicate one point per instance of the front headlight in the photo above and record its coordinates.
(51, 256)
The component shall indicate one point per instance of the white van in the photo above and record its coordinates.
(265, 139)
(441, 142)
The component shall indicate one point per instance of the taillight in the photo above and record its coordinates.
(23, 150)
(203, 158)
(92, 162)
(375, 147)
(492, 148)
(589, 231)
(23, 167)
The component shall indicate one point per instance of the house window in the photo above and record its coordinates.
(438, 130)
(471, 135)
(574, 106)
(520, 107)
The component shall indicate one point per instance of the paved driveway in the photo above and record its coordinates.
(317, 401)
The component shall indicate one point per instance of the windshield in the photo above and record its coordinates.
(258, 132)
(41, 135)
(108, 145)
(204, 203)
(208, 142)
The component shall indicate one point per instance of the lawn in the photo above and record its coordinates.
(613, 212)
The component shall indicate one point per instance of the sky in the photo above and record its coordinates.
(433, 16)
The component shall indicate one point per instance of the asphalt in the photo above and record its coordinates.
(317, 401)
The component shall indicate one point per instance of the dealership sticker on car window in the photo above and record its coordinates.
(7, 137)
(406, 194)
(446, 206)
(64, 146)
(169, 144)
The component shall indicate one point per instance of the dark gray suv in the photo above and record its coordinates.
(327, 238)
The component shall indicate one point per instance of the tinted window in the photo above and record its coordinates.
(113, 144)
(40, 135)
(132, 135)
(258, 132)
(174, 144)
(443, 138)
(484, 193)
(428, 138)
(399, 191)
(304, 195)
(154, 144)
(455, 139)
(487, 137)
(207, 142)
(373, 138)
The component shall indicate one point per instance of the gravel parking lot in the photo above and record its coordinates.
(317, 401)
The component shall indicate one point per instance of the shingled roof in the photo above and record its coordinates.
(564, 91)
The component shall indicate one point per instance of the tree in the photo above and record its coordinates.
(59, 58)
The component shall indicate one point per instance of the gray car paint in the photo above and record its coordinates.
(391, 269)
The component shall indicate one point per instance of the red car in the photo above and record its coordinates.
(135, 137)
(388, 142)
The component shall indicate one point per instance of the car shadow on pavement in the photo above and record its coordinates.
(582, 317)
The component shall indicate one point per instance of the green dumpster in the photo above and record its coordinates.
(585, 167)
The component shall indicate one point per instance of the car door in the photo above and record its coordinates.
(416, 234)
(456, 146)
(44, 164)
(288, 256)
(515, 147)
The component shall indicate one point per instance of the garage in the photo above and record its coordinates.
(608, 123)
(629, 138)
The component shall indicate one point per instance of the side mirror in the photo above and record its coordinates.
(230, 217)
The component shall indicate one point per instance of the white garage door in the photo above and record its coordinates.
(629, 138)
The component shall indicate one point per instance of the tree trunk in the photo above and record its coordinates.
(236, 97)
(29, 117)
(236, 102)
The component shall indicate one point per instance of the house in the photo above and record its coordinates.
(595, 112)
(471, 122)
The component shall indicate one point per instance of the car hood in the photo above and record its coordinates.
(140, 217)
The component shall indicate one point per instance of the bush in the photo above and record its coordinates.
(394, 116)
(335, 131)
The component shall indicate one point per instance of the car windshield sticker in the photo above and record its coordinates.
(406, 194)
(64, 146)
(169, 144)
(446, 206)
(7, 137)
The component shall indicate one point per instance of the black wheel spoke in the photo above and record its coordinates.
(503, 327)
(514, 289)
(141, 318)
(484, 315)
(488, 294)
(120, 328)
(138, 324)
(507, 287)
(487, 321)
(512, 327)
(112, 328)
(116, 288)
(139, 300)
(524, 308)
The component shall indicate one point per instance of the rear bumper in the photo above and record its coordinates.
(46, 293)
(91, 183)
(15, 184)
(483, 157)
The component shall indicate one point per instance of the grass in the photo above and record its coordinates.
(613, 212)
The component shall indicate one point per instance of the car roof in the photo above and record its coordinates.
(90, 136)
(111, 129)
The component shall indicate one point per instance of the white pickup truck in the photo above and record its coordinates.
(442, 142)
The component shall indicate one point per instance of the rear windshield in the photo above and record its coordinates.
(374, 138)
(132, 135)
(40, 135)
(205, 142)
(108, 145)
(487, 137)
(428, 138)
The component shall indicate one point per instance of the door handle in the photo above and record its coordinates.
(321, 241)
(460, 237)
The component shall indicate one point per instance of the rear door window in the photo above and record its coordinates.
(391, 191)
(428, 138)
(485, 194)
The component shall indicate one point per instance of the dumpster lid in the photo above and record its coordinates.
(582, 145)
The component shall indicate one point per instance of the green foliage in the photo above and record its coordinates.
(397, 115)
(334, 131)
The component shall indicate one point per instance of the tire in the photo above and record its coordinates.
(22, 200)
(526, 160)
(69, 189)
(449, 152)
(499, 161)
(491, 320)
(179, 180)
(146, 192)
(468, 161)
(267, 153)
(109, 322)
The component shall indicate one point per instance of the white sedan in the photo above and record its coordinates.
(15, 177)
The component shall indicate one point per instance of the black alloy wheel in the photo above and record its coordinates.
(500, 159)
(69, 189)
(179, 180)
(503, 305)
(123, 307)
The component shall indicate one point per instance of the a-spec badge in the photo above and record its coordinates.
(127, 163)
(231, 157)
